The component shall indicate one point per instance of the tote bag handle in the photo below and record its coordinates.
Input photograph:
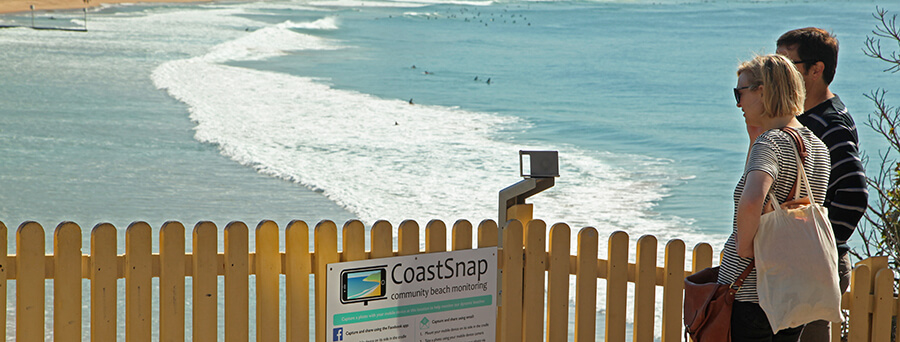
(799, 154)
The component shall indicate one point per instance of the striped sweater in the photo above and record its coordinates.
(847, 196)
(773, 153)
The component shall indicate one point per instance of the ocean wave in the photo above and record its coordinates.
(327, 23)
(387, 159)
(418, 14)
(269, 42)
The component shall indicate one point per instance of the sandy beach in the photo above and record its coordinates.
(10, 6)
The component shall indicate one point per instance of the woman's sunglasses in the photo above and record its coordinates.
(737, 93)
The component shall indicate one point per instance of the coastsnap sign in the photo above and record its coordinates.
(449, 296)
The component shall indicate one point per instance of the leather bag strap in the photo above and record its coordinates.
(740, 279)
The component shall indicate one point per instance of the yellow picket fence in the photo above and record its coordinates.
(526, 263)
(871, 302)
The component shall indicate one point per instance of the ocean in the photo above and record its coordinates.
(338, 110)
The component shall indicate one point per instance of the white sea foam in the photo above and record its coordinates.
(265, 43)
(418, 14)
(269, 5)
(327, 23)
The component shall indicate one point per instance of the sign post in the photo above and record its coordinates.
(447, 296)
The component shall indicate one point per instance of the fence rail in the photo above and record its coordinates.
(531, 256)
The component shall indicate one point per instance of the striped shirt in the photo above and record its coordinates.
(773, 153)
(847, 196)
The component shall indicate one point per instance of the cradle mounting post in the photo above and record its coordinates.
(539, 170)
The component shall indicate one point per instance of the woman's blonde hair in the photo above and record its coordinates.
(783, 90)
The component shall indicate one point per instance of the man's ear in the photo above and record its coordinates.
(817, 69)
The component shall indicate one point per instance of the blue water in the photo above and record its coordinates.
(300, 110)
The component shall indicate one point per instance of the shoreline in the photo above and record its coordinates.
(18, 6)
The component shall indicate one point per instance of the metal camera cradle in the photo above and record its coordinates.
(543, 168)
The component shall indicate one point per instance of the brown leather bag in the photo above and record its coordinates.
(707, 305)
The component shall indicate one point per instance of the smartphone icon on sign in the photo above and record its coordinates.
(363, 284)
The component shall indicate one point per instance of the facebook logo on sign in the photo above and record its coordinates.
(338, 334)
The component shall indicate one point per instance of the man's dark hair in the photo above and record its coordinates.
(813, 45)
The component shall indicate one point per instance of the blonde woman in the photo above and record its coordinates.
(770, 93)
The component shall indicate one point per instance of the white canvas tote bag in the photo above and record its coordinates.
(796, 263)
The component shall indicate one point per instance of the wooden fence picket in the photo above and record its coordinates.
(67, 282)
(487, 234)
(510, 302)
(268, 270)
(353, 241)
(616, 286)
(171, 281)
(462, 235)
(645, 289)
(138, 287)
(381, 240)
(205, 292)
(859, 289)
(104, 272)
(533, 280)
(237, 273)
(586, 285)
(702, 257)
(673, 291)
(326, 253)
(435, 236)
(883, 305)
(558, 283)
(4, 274)
(297, 270)
(30, 274)
(408, 238)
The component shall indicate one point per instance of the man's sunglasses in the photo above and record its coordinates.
(737, 93)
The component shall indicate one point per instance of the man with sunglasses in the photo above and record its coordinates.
(814, 52)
